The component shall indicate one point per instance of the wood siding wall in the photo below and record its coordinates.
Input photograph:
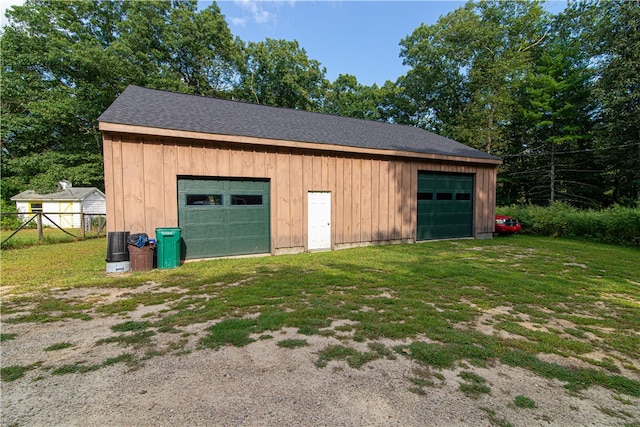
(373, 199)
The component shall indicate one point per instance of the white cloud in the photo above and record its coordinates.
(240, 22)
(257, 12)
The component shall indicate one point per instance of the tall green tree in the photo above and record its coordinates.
(180, 47)
(614, 41)
(466, 67)
(63, 63)
(346, 97)
(279, 73)
(53, 54)
(549, 157)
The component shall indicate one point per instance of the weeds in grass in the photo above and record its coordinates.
(422, 382)
(131, 302)
(610, 412)
(168, 329)
(418, 390)
(334, 352)
(12, 373)
(311, 326)
(58, 346)
(52, 310)
(494, 419)
(237, 332)
(126, 358)
(353, 357)
(423, 376)
(606, 363)
(7, 337)
(475, 385)
(382, 350)
(76, 368)
(435, 355)
(136, 340)
(151, 353)
(120, 306)
(524, 402)
(623, 400)
(270, 321)
(130, 326)
(178, 345)
(230, 331)
(576, 333)
(547, 342)
(576, 378)
(292, 343)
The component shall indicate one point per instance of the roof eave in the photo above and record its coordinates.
(105, 126)
(44, 197)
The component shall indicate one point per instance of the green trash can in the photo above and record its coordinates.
(168, 247)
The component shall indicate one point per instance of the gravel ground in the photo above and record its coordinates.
(265, 384)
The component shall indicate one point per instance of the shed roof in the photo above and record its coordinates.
(70, 194)
(138, 106)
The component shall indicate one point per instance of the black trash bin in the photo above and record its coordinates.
(117, 246)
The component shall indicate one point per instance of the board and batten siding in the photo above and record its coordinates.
(373, 197)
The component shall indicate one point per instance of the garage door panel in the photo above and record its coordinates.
(239, 215)
(204, 217)
(445, 206)
(247, 185)
(221, 217)
(247, 245)
(203, 231)
(254, 230)
(205, 249)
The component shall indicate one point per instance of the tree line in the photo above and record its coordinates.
(556, 96)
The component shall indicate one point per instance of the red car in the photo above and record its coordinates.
(507, 225)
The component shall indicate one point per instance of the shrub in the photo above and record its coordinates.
(9, 222)
(616, 225)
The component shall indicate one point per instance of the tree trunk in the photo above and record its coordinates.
(552, 175)
(489, 129)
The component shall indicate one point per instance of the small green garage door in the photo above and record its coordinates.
(220, 217)
(445, 206)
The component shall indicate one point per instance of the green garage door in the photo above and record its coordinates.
(220, 217)
(445, 206)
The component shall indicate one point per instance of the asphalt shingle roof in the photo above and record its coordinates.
(70, 194)
(176, 111)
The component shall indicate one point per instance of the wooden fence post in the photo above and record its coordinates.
(82, 226)
(39, 223)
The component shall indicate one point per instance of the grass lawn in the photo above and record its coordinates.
(512, 300)
(29, 237)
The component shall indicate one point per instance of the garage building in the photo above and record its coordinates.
(240, 178)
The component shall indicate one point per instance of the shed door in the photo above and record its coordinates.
(319, 214)
(220, 217)
(445, 206)
(66, 217)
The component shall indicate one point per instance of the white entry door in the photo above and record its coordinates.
(319, 235)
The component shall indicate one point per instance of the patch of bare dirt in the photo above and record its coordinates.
(265, 384)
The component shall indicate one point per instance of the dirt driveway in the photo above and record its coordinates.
(73, 374)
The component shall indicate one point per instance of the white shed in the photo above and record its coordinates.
(64, 207)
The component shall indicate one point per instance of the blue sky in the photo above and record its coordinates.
(347, 37)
